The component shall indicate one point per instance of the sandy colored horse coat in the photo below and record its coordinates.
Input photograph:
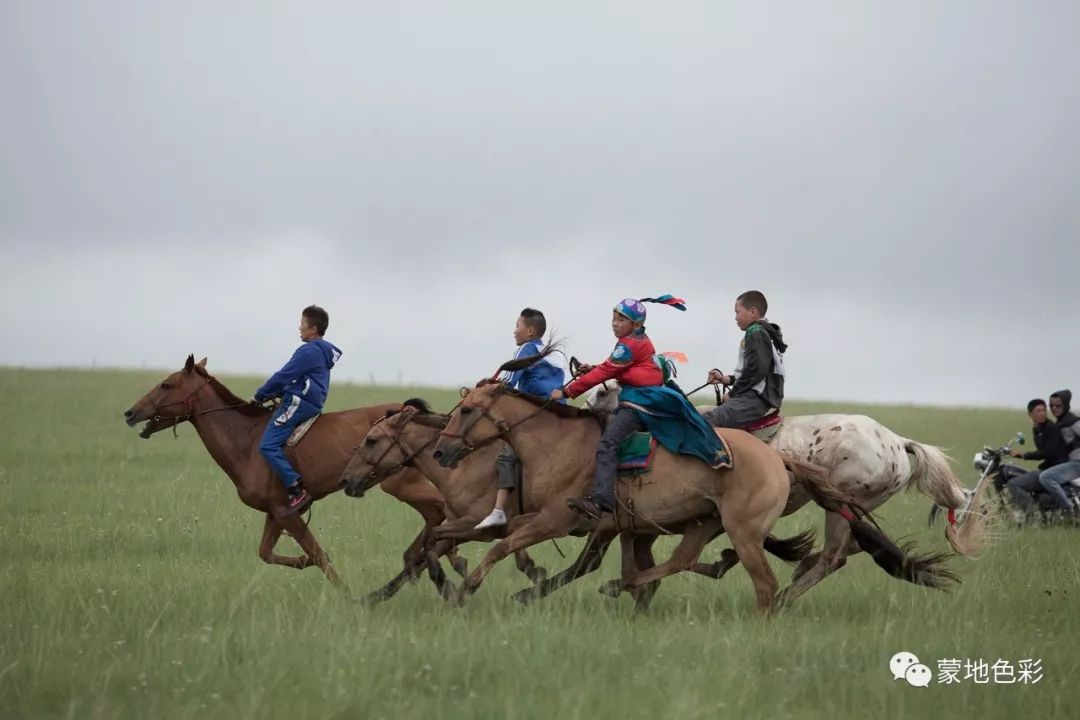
(557, 446)
(867, 464)
(231, 428)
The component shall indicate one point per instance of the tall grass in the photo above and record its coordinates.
(131, 588)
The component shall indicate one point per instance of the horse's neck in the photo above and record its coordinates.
(538, 437)
(230, 436)
(416, 436)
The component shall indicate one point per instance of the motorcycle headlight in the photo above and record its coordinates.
(980, 462)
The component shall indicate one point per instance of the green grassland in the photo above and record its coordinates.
(131, 588)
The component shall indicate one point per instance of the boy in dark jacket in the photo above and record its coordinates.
(302, 385)
(758, 379)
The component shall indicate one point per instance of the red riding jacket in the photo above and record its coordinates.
(631, 363)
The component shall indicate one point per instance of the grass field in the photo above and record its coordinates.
(131, 588)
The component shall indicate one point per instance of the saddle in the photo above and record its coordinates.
(636, 454)
(300, 431)
(765, 429)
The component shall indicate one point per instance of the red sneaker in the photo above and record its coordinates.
(299, 502)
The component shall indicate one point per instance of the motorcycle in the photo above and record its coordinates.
(991, 461)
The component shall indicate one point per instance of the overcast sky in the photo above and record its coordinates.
(902, 181)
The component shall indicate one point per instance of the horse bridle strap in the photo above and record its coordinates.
(503, 429)
(408, 455)
(189, 405)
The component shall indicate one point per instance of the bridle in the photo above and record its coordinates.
(503, 429)
(396, 441)
(188, 404)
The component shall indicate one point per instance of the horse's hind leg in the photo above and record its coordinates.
(838, 542)
(644, 560)
(296, 527)
(271, 533)
(683, 558)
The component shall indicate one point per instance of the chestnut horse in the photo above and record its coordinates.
(231, 427)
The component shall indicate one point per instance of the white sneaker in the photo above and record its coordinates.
(497, 517)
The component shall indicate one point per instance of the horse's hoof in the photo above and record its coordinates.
(526, 596)
(612, 588)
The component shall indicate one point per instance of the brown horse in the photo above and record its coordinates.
(231, 428)
(406, 439)
(397, 443)
(557, 446)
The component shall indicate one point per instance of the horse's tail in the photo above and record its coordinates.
(792, 549)
(933, 476)
(927, 570)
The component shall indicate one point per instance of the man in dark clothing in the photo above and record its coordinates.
(1049, 448)
(1054, 479)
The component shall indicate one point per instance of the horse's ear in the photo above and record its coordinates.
(189, 365)
(202, 363)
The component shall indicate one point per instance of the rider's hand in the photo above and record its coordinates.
(584, 368)
(715, 377)
(1016, 453)
(255, 401)
(557, 394)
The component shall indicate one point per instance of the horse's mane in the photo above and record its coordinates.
(424, 415)
(514, 365)
(231, 398)
(563, 411)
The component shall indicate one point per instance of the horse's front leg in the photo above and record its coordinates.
(271, 533)
(300, 531)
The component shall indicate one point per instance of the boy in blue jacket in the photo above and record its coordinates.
(539, 380)
(302, 385)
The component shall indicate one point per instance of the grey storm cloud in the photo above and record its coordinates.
(901, 181)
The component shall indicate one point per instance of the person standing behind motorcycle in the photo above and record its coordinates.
(1069, 426)
(1049, 448)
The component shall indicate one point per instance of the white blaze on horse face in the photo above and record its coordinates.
(901, 662)
(918, 675)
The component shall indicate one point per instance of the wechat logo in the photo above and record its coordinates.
(906, 666)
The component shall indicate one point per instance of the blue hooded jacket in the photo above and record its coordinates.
(306, 375)
(538, 379)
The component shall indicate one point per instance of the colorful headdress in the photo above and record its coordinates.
(634, 310)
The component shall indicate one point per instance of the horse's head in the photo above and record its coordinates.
(605, 399)
(381, 453)
(170, 402)
(476, 421)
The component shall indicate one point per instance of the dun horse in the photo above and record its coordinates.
(557, 447)
(867, 464)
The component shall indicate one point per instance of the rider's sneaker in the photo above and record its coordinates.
(299, 500)
(585, 506)
(496, 518)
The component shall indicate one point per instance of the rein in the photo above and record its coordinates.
(503, 429)
(189, 404)
(377, 475)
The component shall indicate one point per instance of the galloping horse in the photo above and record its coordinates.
(867, 464)
(557, 447)
(405, 439)
(231, 428)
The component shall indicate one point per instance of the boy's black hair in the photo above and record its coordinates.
(317, 318)
(535, 319)
(754, 299)
(1035, 403)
